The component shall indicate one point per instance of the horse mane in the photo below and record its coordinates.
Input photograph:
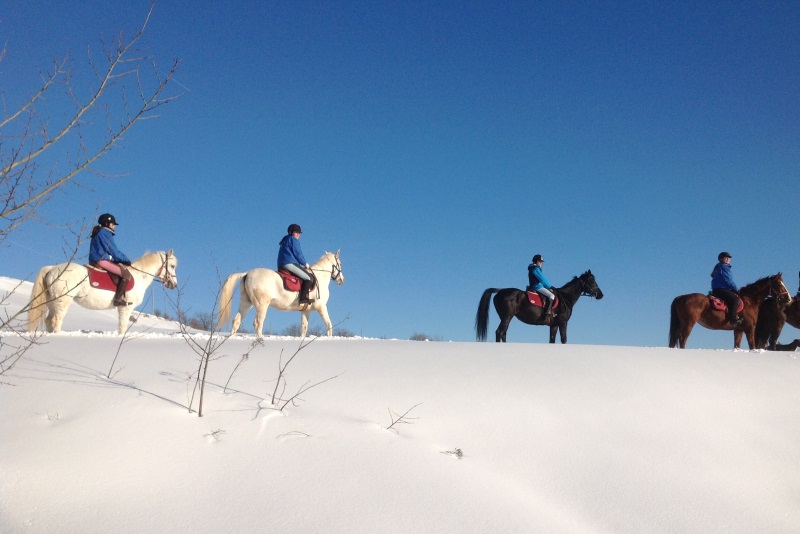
(148, 257)
(753, 289)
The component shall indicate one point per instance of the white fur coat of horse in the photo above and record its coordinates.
(263, 288)
(56, 286)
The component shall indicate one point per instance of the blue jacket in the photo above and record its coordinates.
(104, 248)
(290, 252)
(721, 277)
(536, 277)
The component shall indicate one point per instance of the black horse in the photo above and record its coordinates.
(512, 302)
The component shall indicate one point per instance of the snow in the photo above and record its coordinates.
(572, 438)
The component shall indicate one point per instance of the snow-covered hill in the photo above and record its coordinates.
(579, 439)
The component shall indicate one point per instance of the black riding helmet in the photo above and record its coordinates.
(294, 228)
(723, 255)
(537, 257)
(106, 219)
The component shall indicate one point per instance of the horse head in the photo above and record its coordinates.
(336, 270)
(589, 285)
(778, 289)
(161, 266)
(167, 273)
(769, 286)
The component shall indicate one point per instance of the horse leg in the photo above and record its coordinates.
(563, 328)
(553, 332)
(244, 306)
(304, 322)
(684, 335)
(323, 312)
(124, 319)
(56, 311)
(500, 333)
(751, 338)
(258, 324)
(737, 338)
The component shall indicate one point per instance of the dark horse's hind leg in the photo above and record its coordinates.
(500, 333)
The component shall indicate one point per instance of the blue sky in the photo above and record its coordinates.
(440, 145)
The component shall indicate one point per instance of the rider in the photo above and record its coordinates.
(723, 286)
(103, 253)
(290, 258)
(538, 281)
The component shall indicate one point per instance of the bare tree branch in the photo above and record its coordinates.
(23, 188)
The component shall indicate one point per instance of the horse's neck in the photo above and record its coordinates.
(572, 291)
(149, 263)
(322, 270)
(756, 290)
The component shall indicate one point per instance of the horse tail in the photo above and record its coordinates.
(482, 317)
(38, 302)
(674, 323)
(225, 298)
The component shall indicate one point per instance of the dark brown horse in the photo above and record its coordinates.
(511, 302)
(772, 315)
(688, 310)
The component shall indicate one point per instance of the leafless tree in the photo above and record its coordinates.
(62, 129)
(45, 148)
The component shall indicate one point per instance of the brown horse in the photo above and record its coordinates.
(687, 310)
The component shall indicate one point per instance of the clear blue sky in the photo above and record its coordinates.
(440, 145)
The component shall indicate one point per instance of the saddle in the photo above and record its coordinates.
(536, 300)
(292, 282)
(719, 304)
(102, 279)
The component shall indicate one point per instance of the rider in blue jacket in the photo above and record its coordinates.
(723, 286)
(103, 253)
(290, 258)
(538, 281)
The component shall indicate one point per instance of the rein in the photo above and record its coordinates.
(334, 267)
(158, 276)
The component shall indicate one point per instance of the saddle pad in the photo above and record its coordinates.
(719, 304)
(536, 299)
(101, 279)
(290, 281)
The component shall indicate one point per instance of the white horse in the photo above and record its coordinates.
(57, 286)
(263, 288)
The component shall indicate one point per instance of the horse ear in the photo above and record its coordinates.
(170, 252)
(337, 253)
(589, 271)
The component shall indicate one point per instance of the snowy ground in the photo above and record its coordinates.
(577, 439)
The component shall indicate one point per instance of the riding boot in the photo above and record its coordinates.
(122, 283)
(119, 295)
(305, 289)
(548, 309)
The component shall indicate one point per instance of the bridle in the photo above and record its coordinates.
(166, 277)
(591, 291)
(336, 270)
(779, 293)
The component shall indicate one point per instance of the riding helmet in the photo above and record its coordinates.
(294, 228)
(106, 219)
(537, 257)
(723, 255)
